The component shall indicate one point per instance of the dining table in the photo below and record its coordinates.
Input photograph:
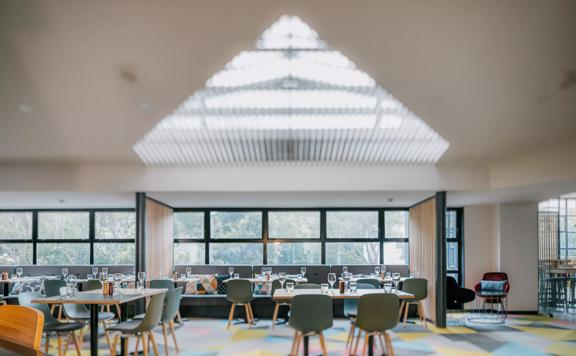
(9, 348)
(283, 295)
(95, 298)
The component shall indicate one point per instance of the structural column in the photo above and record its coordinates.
(441, 259)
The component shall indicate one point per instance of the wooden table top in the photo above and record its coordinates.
(96, 297)
(10, 348)
(256, 280)
(281, 294)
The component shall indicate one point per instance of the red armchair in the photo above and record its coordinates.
(494, 276)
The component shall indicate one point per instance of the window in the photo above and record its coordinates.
(236, 253)
(115, 225)
(189, 253)
(397, 224)
(189, 225)
(15, 225)
(114, 253)
(63, 225)
(454, 244)
(240, 225)
(15, 254)
(352, 224)
(298, 253)
(50, 253)
(353, 253)
(396, 253)
(294, 224)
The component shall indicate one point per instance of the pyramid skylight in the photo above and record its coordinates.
(290, 99)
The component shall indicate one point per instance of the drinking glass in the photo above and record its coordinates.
(95, 272)
(19, 272)
(188, 271)
(388, 275)
(353, 286)
(231, 271)
(383, 269)
(324, 288)
(344, 270)
(290, 287)
(387, 287)
(303, 271)
(141, 278)
(117, 283)
(331, 279)
(377, 270)
(396, 278)
(282, 279)
(104, 274)
(64, 272)
(236, 275)
(270, 271)
(264, 270)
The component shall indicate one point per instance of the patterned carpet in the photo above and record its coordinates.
(528, 335)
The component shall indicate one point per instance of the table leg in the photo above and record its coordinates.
(370, 345)
(123, 316)
(93, 329)
(306, 339)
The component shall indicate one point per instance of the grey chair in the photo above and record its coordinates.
(51, 325)
(162, 284)
(419, 288)
(310, 314)
(351, 310)
(239, 293)
(372, 281)
(307, 286)
(377, 313)
(52, 289)
(276, 285)
(140, 329)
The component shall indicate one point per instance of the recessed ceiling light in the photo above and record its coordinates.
(25, 108)
(390, 200)
(61, 201)
(144, 105)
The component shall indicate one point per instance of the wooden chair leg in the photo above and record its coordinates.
(59, 311)
(68, 341)
(114, 345)
(231, 315)
(173, 332)
(47, 344)
(323, 344)
(423, 313)
(251, 312)
(126, 342)
(293, 343)
(298, 341)
(118, 310)
(402, 305)
(60, 345)
(138, 338)
(357, 341)
(106, 334)
(76, 344)
(145, 343)
(350, 339)
(389, 348)
(178, 317)
(406, 308)
(154, 344)
(248, 316)
(275, 315)
(365, 346)
(382, 342)
(165, 338)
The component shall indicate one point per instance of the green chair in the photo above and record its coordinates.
(377, 313)
(351, 310)
(51, 324)
(52, 289)
(419, 288)
(162, 284)
(310, 314)
(372, 281)
(307, 286)
(140, 329)
(239, 293)
(276, 285)
(170, 311)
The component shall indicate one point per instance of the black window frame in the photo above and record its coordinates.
(91, 240)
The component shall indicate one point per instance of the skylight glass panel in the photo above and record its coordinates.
(291, 98)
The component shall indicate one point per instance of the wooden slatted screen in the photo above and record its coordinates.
(423, 249)
(159, 241)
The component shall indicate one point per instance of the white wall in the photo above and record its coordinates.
(479, 243)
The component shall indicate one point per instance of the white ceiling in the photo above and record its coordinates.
(83, 81)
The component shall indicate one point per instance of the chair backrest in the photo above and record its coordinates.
(153, 313)
(372, 281)
(25, 299)
(52, 287)
(276, 285)
(171, 304)
(239, 290)
(417, 287)
(74, 311)
(311, 313)
(21, 325)
(307, 286)
(162, 284)
(92, 284)
(495, 276)
(351, 305)
(377, 312)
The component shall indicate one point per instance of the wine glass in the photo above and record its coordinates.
(188, 271)
(344, 270)
(95, 272)
(64, 272)
(19, 272)
(331, 279)
(263, 270)
(141, 278)
(396, 278)
(282, 279)
(377, 270)
(303, 271)
(383, 269)
(117, 282)
(104, 273)
(231, 271)
(388, 275)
